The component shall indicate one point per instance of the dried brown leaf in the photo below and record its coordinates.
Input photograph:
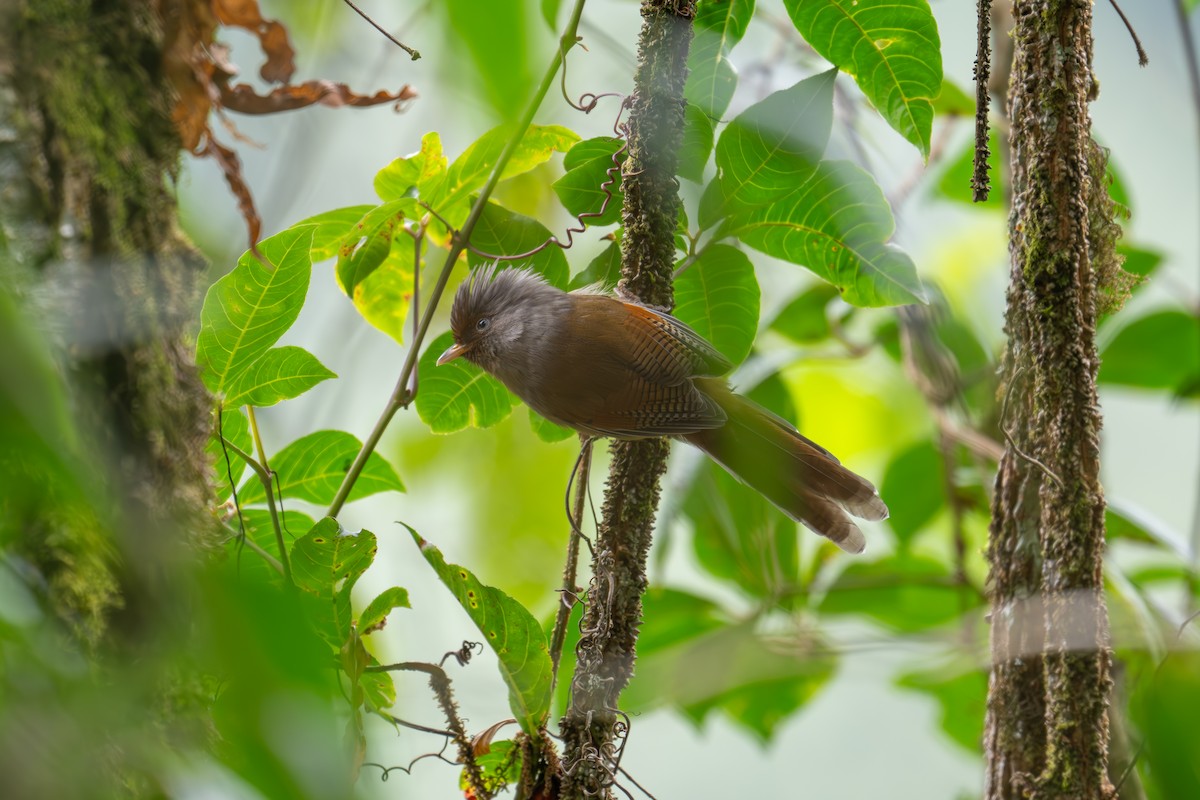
(245, 100)
(231, 167)
(272, 37)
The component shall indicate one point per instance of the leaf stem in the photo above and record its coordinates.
(271, 560)
(401, 395)
(265, 477)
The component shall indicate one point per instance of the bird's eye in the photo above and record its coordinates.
(483, 324)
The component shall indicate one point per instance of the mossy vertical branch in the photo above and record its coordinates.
(606, 650)
(1047, 726)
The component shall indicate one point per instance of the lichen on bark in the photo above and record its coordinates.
(91, 106)
(1046, 733)
(605, 654)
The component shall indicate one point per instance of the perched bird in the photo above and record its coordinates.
(609, 367)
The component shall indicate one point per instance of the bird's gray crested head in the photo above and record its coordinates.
(494, 308)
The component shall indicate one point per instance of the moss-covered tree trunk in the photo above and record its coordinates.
(1047, 724)
(89, 98)
(90, 232)
(605, 654)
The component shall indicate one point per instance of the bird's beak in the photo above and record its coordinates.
(452, 352)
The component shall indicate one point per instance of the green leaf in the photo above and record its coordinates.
(906, 593)
(711, 77)
(726, 18)
(499, 766)
(836, 224)
(773, 394)
(379, 690)
(331, 228)
(604, 269)
(312, 467)
(246, 311)
(356, 262)
(582, 189)
(718, 297)
(281, 374)
(419, 172)
(546, 430)
(953, 101)
(327, 563)
(758, 682)
(502, 232)
(1158, 351)
(1139, 261)
(697, 144)
(960, 693)
(738, 536)
(375, 614)
(1165, 712)
(236, 429)
(775, 145)
(913, 486)
(511, 632)
(469, 171)
(891, 49)
(492, 40)
(1126, 520)
(955, 181)
(384, 297)
(806, 320)
(258, 527)
(459, 393)
(550, 13)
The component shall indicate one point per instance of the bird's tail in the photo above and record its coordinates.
(799, 476)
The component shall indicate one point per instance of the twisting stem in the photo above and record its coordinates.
(569, 589)
(401, 396)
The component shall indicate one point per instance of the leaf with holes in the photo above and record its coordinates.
(384, 297)
(331, 228)
(892, 50)
(375, 614)
(246, 311)
(312, 468)
(718, 297)
(459, 393)
(502, 232)
(416, 174)
(511, 632)
(836, 224)
(327, 563)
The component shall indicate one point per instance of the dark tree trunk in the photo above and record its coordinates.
(606, 650)
(91, 242)
(1047, 723)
